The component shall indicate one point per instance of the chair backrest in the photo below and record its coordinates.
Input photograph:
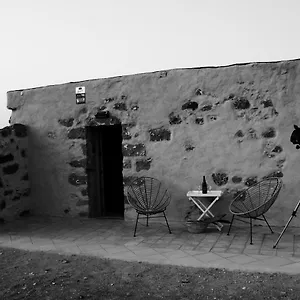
(257, 199)
(148, 194)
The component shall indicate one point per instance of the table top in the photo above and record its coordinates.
(200, 194)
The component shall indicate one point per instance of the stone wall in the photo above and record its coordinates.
(231, 124)
(14, 179)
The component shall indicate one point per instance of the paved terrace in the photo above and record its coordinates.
(114, 239)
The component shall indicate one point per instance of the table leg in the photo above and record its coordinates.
(206, 210)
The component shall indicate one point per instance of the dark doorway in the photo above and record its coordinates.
(104, 171)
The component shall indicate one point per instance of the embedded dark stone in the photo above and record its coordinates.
(277, 149)
(102, 115)
(82, 202)
(24, 213)
(79, 163)
(206, 107)
(77, 133)
(11, 169)
(276, 173)
(101, 108)
(199, 121)
(66, 122)
(77, 180)
(124, 97)
(83, 147)
(67, 210)
(25, 177)
(143, 164)
(251, 181)
(239, 133)
(190, 105)
(20, 130)
(274, 112)
(6, 158)
(198, 92)
(26, 192)
(267, 103)
(269, 133)
(126, 134)
(12, 140)
(163, 74)
(212, 118)
(112, 120)
(17, 147)
(8, 192)
(2, 205)
(241, 103)
(125, 131)
(1, 183)
(173, 119)
(252, 133)
(134, 150)
(159, 134)
(220, 178)
(23, 153)
(280, 163)
(128, 179)
(236, 179)
(228, 98)
(16, 197)
(83, 214)
(120, 106)
(134, 107)
(6, 131)
(107, 100)
(268, 154)
(189, 147)
(127, 164)
(84, 192)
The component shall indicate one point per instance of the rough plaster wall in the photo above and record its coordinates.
(231, 124)
(14, 179)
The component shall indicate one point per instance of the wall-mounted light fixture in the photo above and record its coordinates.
(80, 95)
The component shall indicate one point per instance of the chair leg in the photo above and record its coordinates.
(268, 224)
(251, 231)
(230, 225)
(137, 219)
(147, 220)
(167, 222)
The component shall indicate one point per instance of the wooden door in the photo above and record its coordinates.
(104, 170)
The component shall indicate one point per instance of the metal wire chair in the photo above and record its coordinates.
(148, 196)
(256, 201)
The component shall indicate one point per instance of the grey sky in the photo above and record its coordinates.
(55, 41)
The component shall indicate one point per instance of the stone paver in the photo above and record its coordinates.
(114, 239)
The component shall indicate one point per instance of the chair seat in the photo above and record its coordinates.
(150, 211)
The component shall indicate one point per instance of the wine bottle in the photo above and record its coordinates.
(204, 186)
